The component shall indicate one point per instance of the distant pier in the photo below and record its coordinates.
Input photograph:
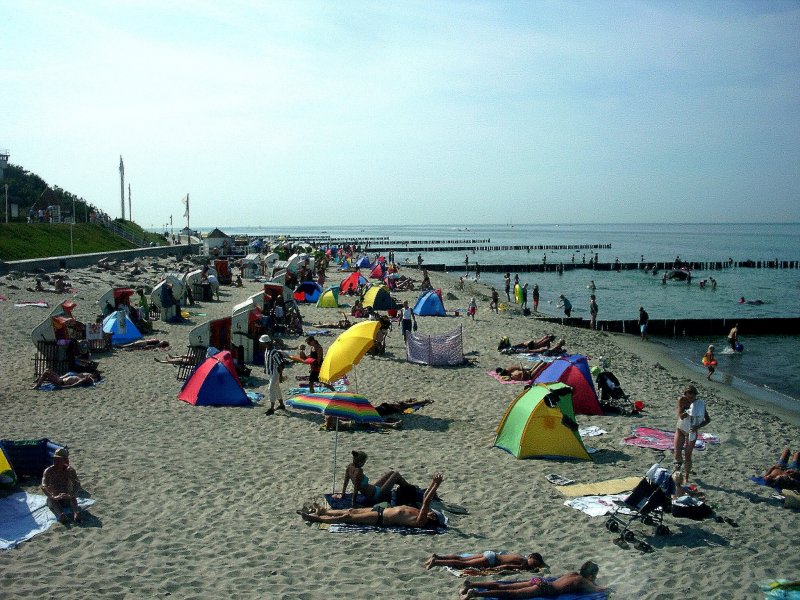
(690, 327)
(613, 266)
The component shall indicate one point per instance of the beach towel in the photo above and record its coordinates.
(591, 431)
(318, 332)
(481, 572)
(663, 439)
(558, 479)
(500, 378)
(610, 486)
(37, 304)
(568, 596)
(254, 397)
(24, 515)
(538, 358)
(598, 506)
(781, 589)
(346, 501)
(348, 528)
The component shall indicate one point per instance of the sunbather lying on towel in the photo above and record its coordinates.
(344, 323)
(557, 350)
(514, 373)
(148, 344)
(393, 516)
(543, 343)
(537, 587)
(487, 560)
(66, 381)
(399, 407)
(184, 359)
(785, 473)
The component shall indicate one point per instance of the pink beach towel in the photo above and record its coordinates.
(662, 439)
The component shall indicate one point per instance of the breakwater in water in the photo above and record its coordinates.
(613, 266)
(690, 327)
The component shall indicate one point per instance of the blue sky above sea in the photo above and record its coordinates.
(415, 112)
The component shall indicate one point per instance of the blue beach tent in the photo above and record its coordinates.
(429, 305)
(121, 335)
(362, 263)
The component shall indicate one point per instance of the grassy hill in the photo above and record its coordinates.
(19, 241)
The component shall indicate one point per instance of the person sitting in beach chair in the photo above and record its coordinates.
(66, 381)
(378, 516)
(580, 582)
(785, 473)
(507, 561)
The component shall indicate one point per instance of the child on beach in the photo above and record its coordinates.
(709, 361)
(472, 308)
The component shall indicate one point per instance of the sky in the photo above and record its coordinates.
(414, 112)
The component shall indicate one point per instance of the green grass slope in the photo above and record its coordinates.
(19, 241)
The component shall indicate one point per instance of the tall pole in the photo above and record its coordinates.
(122, 186)
(171, 228)
(130, 210)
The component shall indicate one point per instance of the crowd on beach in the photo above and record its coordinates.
(392, 500)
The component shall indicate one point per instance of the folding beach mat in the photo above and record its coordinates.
(610, 486)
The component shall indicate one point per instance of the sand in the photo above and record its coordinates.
(200, 502)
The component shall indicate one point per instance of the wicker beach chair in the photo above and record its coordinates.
(196, 355)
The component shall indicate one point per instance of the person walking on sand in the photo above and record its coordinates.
(495, 303)
(709, 362)
(407, 319)
(593, 313)
(472, 308)
(273, 367)
(643, 319)
(507, 284)
(535, 297)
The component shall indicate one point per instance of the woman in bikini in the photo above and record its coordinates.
(785, 473)
(393, 516)
(574, 583)
(380, 491)
(66, 381)
(487, 560)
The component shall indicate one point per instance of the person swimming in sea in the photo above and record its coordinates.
(756, 302)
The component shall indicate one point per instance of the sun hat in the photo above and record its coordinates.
(61, 453)
(264, 339)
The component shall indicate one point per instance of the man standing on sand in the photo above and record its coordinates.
(733, 337)
(643, 319)
(535, 297)
(507, 283)
(593, 312)
(495, 303)
(60, 484)
(273, 367)
(407, 320)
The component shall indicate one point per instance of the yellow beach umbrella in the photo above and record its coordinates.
(348, 349)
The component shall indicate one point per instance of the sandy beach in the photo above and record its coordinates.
(199, 502)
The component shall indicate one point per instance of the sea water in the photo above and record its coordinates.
(768, 362)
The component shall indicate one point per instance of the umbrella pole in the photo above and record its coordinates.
(335, 447)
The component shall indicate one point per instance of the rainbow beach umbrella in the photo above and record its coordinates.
(341, 405)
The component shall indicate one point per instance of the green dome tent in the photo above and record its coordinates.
(329, 298)
(540, 423)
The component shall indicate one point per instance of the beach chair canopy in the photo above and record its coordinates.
(429, 304)
(215, 383)
(122, 332)
(574, 371)
(540, 423)
(378, 298)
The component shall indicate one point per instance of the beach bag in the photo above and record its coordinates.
(691, 508)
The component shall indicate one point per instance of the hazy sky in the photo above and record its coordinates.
(336, 112)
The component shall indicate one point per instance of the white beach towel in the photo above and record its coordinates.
(24, 515)
(596, 506)
(591, 431)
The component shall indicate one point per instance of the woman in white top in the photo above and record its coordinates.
(692, 415)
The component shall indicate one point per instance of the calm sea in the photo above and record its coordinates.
(769, 362)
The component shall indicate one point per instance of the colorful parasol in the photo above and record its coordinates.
(348, 349)
(341, 405)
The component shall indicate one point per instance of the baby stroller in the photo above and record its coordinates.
(647, 503)
(613, 398)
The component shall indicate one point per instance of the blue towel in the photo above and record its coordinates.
(586, 596)
(761, 481)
